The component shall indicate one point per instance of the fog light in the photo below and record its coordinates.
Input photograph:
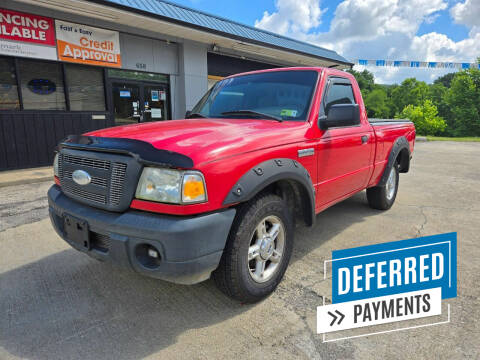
(153, 253)
(148, 256)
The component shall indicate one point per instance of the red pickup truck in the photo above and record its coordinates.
(218, 194)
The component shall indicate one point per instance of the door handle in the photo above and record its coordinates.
(364, 139)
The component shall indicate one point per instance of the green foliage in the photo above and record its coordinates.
(425, 117)
(450, 106)
(445, 80)
(376, 97)
(436, 94)
(410, 92)
(377, 103)
(460, 139)
(463, 97)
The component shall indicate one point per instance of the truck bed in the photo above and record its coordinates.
(375, 121)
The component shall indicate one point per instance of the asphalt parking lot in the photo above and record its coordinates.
(56, 303)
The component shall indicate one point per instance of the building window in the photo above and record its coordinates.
(85, 88)
(137, 75)
(42, 85)
(8, 85)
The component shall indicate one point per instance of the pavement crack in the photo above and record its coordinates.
(425, 220)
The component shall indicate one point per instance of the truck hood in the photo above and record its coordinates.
(205, 140)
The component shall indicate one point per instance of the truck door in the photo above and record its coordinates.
(344, 153)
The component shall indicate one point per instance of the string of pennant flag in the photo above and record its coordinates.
(418, 64)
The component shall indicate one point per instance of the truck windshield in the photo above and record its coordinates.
(282, 95)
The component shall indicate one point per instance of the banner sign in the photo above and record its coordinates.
(27, 35)
(379, 310)
(390, 282)
(396, 267)
(419, 64)
(87, 45)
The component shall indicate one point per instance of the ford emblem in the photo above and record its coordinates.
(81, 177)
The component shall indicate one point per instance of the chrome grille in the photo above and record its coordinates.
(89, 162)
(60, 165)
(116, 185)
(87, 195)
(107, 188)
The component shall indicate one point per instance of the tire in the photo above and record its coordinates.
(383, 197)
(241, 278)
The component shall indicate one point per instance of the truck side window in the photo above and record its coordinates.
(339, 93)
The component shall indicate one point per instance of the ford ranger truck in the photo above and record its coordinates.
(218, 193)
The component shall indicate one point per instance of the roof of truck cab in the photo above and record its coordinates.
(319, 69)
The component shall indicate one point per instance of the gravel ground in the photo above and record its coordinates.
(59, 304)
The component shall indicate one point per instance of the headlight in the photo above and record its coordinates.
(55, 166)
(171, 186)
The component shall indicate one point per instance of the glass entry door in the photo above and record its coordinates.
(155, 102)
(135, 102)
(126, 103)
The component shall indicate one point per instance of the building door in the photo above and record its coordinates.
(135, 102)
(126, 103)
(155, 102)
(136, 96)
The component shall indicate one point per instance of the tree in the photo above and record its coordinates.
(425, 118)
(376, 103)
(445, 80)
(410, 92)
(463, 99)
(436, 94)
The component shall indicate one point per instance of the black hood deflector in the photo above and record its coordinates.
(143, 151)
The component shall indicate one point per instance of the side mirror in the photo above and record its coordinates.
(340, 115)
(187, 114)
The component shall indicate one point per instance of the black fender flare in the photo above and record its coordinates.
(269, 172)
(400, 144)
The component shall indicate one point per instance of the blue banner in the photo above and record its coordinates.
(418, 64)
(395, 267)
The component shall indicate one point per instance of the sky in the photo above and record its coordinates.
(411, 30)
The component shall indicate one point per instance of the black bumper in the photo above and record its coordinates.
(190, 247)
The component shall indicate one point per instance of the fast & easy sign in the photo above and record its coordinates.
(87, 45)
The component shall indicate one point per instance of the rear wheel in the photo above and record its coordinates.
(258, 249)
(383, 197)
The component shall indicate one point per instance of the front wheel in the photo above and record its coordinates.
(258, 249)
(383, 197)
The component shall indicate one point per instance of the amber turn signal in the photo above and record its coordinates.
(193, 188)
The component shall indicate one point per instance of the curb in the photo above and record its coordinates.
(421, 138)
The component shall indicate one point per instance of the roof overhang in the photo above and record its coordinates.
(133, 18)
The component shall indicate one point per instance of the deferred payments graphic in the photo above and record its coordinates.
(388, 282)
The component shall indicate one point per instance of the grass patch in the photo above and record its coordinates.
(459, 139)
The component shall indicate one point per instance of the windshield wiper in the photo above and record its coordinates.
(252, 112)
(196, 115)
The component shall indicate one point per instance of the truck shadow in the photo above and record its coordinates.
(67, 305)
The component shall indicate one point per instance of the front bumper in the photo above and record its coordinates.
(190, 247)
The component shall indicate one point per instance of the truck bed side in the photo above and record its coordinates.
(386, 133)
